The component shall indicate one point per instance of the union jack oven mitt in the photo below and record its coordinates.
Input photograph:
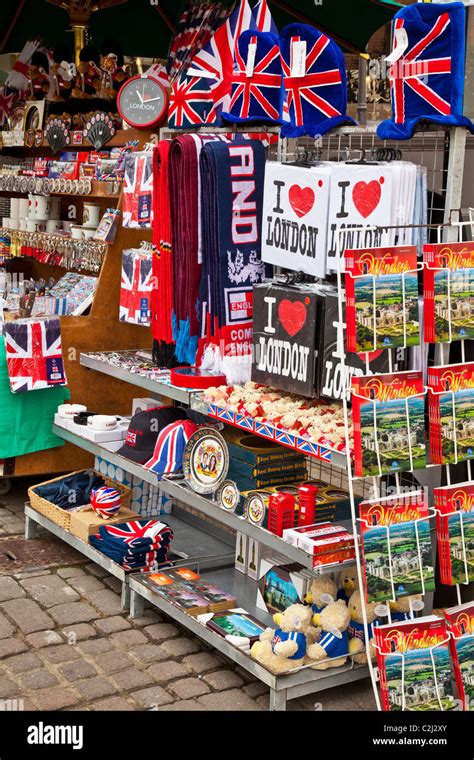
(314, 81)
(427, 69)
(257, 82)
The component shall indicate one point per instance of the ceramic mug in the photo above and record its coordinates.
(55, 208)
(88, 232)
(91, 215)
(14, 208)
(23, 223)
(14, 223)
(69, 410)
(42, 207)
(31, 225)
(31, 206)
(23, 208)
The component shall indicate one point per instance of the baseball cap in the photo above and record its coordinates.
(144, 429)
(169, 449)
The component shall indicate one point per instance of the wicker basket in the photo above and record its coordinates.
(61, 516)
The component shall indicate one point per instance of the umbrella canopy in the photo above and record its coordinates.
(145, 29)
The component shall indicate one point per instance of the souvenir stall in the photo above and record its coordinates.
(274, 381)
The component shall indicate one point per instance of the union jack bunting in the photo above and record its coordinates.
(135, 287)
(34, 354)
(263, 18)
(257, 93)
(138, 190)
(427, 79)
(316, 88)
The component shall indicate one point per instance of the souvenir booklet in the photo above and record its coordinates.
(389, 423)
(394, 539)
(176, 593)
(451, 413)
(460, 621)
(236, 623)
(455, 531)
(448, 284)
(414, 664)
(381, 298)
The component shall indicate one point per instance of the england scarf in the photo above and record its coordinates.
(232, 190)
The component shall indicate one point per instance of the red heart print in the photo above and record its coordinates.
(292, 316)
(366, 197)
(301, 199)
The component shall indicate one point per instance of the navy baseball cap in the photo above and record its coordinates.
(144, 429)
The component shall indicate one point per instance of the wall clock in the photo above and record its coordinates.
(142, 102)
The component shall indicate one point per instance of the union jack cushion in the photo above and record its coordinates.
(257, 82)
(427, 79)
(314, 80)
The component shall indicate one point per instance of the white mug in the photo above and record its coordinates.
(77, 232)
(32, 225)
(14, 223)
(51, 226)
(23, 208)
(91, 215)
(15, 208)
(6, 223)
(23, 223)
(32, 207)
(102, 422)
(88, 232)
(42, 207)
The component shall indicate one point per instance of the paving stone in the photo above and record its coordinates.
(96, 570)
(54, 699)
(96, 646)
(62, 653)
(32, 573)
(149, 616)
(107, 601)
(73, 612)
(129, 639)
(146, 653)
(50, 590)
(44, 639)
(181, 705)
(112, 661)
(70, 572)
(6, 628)
(167, 671)
(152, 698)
(22, 662)
(94, 688)
(112, 704)
(187, 688)
(28, 615)
(161, 631)
(132, 678)
(202, 662)
(177, 647)
(256, 689)
(38, 679)
(11, 646)
(112, 624)
(223, 679)
(76, 670)
(7, 688)
(85, 584)
(13, 524)
(79, 632)
(9, 589)
(114, 583)
(234, 699)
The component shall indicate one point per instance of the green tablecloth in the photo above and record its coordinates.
(26, 418)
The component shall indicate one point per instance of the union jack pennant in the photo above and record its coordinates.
(135, 287)
(263, 18)
(34, 354)
(256, 91)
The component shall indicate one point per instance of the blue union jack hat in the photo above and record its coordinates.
(427, 79)
(314, 79)
(169, 449)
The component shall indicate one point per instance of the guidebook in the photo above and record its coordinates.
(451, 413)
(381, 298)
(460, 622)
(455, 531)
(448, 284)
(396, 547)
(389, 423)
(414, 665)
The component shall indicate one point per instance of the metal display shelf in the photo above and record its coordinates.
(189, 543)
(134, 378)
(282, 687)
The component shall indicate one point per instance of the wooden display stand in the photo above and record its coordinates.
(99, 331)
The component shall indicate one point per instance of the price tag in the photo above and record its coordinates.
(199, 73)
(381, 610)
(252, 50)
(417, 605)
(401, 44)
(298, 58)
(326, 598)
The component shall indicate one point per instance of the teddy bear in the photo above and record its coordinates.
(89, 76)
(323, 591)
(347, 583)
(400, 609)
(357, 645)
(285, 648)
(332, 647)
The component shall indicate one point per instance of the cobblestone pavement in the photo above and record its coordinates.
(66, 644)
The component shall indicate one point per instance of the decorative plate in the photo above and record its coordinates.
(255, 507)
(206, 460)
(228, 496)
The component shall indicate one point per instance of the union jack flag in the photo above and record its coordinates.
(412, 68)
(135, 288)
(137, 533)
(263, 18)
(138, 190)
(34, 354)
(303, 88)
(256, 95)
(6, 103)
(191, 103)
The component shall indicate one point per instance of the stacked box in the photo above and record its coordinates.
(146, 500)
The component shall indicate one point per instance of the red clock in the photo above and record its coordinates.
(142, 102)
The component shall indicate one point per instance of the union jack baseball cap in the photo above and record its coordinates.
(144, 430)
(169, 449)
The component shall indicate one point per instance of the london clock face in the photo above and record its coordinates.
(142, 101)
